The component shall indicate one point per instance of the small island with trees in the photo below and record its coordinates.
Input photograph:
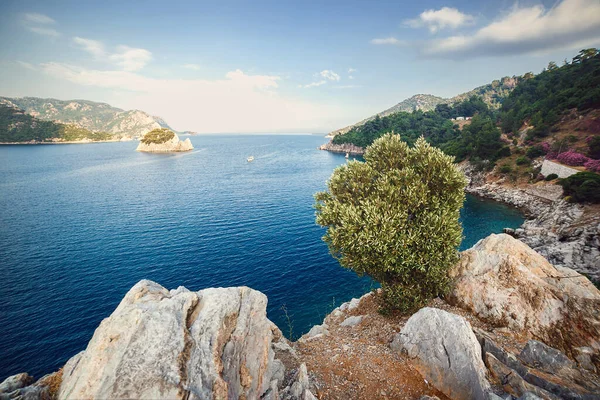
(163, 140)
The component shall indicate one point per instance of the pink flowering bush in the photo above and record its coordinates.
(592, 165)
(545, 147)
(572, 158)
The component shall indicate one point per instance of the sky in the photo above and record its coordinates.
(278, 66)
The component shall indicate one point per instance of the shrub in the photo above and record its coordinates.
(505, 169)
(551, 177)
(592, 165)
(395, 218)
(593, 143)
(523, 160)
(158, 136)
(536, 151)
(503, 152)
(582, 187)
(572, 158)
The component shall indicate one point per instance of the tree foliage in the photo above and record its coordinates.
(158, 136)
(543, 98)
(395, 218)
(480, 139)
(582, 187)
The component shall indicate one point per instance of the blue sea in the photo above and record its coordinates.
(81, 224)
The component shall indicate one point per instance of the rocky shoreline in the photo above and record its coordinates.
(342, 148)
(567, 234)
(34, 142)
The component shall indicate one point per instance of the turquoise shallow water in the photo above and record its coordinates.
(81, 224)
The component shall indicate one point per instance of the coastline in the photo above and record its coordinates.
(566, 234)
(65, 142)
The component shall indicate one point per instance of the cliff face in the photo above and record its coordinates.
(170, 146)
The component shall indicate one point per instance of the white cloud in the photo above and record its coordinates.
(350, 77)
(127, 58)
(314, 84)
(94, 47)
(570, 24)
(388, 40)
(237, 103)
(346, 86)
(351, 70)
(332, 76)
(26, 65)
(44, 31)
(36, 18)
(38, 23)
(443, 18)
(326, 76)
(130, 59)
(194, 67)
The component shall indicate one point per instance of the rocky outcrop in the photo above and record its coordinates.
(444, 349)
(24, 387)
(342, 148)
(178, 344)
(503, 281)
(170, 146)
(567, 234)
(538, 369)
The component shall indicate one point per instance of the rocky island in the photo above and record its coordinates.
(163, 141)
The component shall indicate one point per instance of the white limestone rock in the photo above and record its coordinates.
(171, 146)
(503, 281)
(159, 344)
(444, 349)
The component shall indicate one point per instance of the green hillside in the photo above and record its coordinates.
(18, 126)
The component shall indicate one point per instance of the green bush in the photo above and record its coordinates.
(158, 136)
(523, 160)
(582, 187)
(394, 218)
(505, 169)
(535, 151)
(551, 177)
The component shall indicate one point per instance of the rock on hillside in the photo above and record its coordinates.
(178, 344)
(504, 281)
(96, 117)
(446, 352)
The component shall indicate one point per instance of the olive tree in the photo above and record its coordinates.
(395, 218)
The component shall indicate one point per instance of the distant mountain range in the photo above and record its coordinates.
(492, 93)
(90, 115)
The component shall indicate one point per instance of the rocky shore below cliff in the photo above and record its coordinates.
(512, 327)
(348, 148)
(567, 234)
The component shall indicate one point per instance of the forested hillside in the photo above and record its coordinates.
(18, 126)
(90, 115)
(544, 115)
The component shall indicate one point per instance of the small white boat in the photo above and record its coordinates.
(251, 158)
(347, 155)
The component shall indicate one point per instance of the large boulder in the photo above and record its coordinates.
(446, 352)
(178, 344)
(505, 282)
